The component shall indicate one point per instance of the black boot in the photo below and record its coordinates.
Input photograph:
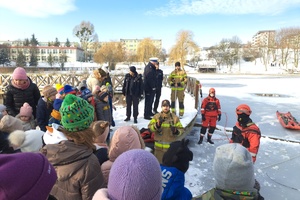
(209, 139)
(135, 121)
(127, 119)
(201, 139)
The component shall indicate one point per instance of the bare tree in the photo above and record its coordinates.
(86, 33)
(184, 45)
(110, 52)
(146, 49)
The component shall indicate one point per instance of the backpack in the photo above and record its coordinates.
(147, 135)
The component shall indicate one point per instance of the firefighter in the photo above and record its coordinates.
(211, 112)
(177, 80)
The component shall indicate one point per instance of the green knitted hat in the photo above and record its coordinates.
(76, 113)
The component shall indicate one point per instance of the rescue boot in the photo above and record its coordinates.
(201, 139)
(209, 139)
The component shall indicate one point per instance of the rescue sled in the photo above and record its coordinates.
(287, 120)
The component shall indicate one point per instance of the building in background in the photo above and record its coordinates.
(131, 45)
(263, 38)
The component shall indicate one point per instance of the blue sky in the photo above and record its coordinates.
(209, 20)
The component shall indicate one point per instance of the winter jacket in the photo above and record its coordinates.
(92, 81)
(78, 171)
(173, 184)
(44, 110)
(248, 136)
(159, 78)
(133, 85)
(149, 78)
(178, 77)
(125, 138)
(210, 107)
(218, 194)
(103, 110)
(164, 133)
(14, 98)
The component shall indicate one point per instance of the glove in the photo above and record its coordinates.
(158, 125)
(174, 130)
(219, 118)
(179, 84)
(203, 118)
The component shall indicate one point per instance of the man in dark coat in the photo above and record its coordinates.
(149, 87)
(159, 79)
(132, 90)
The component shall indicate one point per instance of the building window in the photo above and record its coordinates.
(43, 58)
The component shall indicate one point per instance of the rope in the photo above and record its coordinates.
(225, 125)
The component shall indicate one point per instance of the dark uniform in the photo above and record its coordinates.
(149, 87)
(159, 81)
(132, 90)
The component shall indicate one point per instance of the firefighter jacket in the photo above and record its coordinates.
(178, 77)
(169, 122)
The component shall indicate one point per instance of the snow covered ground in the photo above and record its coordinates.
(278, 161)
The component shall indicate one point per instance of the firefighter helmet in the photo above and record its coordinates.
(243, 108)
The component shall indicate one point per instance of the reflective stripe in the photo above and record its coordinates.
(252, 154)
(165, 146)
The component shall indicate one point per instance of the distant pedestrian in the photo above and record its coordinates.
(21, 89)
(245, 131)
(132, 89)
(211, 112)
(177, 80)
(159, 83)
(149, 87)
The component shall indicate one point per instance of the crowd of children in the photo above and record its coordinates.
(68, 127)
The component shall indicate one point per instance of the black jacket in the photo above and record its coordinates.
(14, 98)
(133, 85)
(149, 78)
(159, 78)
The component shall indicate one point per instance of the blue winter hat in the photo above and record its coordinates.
(86, 93)
(68, 89)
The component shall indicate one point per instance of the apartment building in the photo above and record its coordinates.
(72, 53)
(263, 38)
(131, 45)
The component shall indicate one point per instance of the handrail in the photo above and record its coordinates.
(42, 80)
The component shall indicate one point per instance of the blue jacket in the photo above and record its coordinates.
(173, 184)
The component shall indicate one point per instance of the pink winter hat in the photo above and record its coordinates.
(26, 110)
(19, 74)
(26, 176)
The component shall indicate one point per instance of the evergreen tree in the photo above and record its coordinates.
(50, 60)
(21, 59)
(34, 42)
(68, 43)
(26, 42)
(56, 43)
(33, 58)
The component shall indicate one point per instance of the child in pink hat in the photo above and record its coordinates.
(26, 117)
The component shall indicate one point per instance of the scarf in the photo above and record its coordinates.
(22, 87)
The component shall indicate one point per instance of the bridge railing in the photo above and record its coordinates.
(43, 79)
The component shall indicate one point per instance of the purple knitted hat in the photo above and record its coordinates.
(26, 176)
(135, 175)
